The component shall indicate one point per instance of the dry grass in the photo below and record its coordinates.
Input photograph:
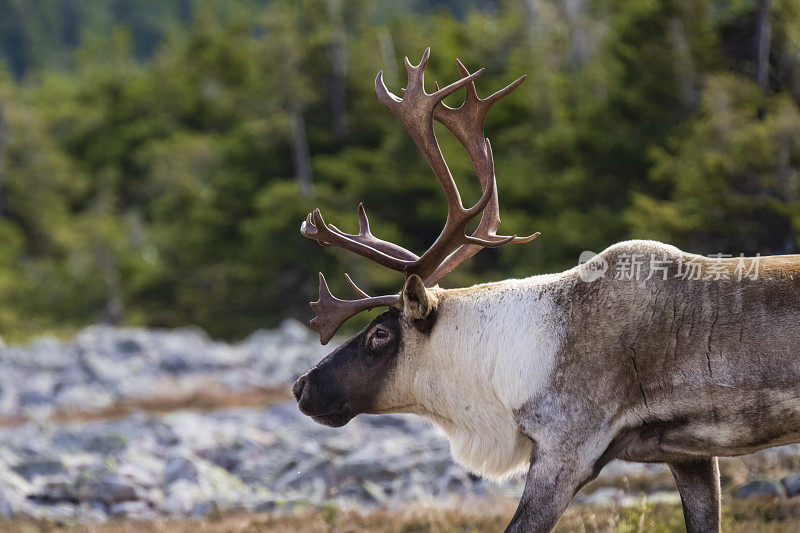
(210, 398)
(741, 516)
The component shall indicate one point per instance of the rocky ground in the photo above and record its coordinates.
(144, 424)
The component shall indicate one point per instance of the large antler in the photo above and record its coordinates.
(417, 110)
(466, 123)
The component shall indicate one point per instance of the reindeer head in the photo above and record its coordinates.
(362, 375)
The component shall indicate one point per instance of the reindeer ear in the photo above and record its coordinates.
(418, 302)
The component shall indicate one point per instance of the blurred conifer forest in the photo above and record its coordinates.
(158, 156)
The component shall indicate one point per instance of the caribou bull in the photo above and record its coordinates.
(644, 353)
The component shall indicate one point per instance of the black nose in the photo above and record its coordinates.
(297, 388)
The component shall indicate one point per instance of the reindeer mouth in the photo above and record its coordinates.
(335, 418)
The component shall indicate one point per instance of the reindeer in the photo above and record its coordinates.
(559, 374)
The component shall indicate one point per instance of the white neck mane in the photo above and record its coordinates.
(492, 349)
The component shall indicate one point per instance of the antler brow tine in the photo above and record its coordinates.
(331, 312)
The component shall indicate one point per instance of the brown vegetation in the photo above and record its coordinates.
(208, 398)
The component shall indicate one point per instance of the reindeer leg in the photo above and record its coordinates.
(698, 485)
(552, 481)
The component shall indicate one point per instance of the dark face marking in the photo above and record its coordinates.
(348, 381)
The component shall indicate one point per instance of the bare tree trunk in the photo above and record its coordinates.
(684, 66)
(763, 43)
(787, 186)
(185, 10)
(114, 310)
(3, 149)
(386, 45)
(337, 83)
(532, 16)
(575, 13)
(300, 153)
(71, 23)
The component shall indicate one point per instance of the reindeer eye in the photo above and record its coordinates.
(381, 334)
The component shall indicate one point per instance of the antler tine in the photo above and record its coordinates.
(365, 236)
(416, 73)
(331, 312)
(355, 287)
(384, 253)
